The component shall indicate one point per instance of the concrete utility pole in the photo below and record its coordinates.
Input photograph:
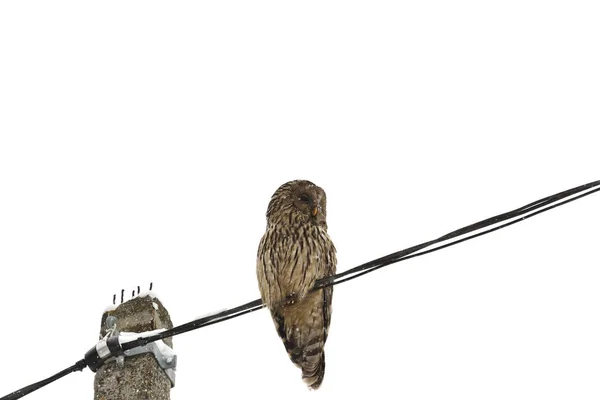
(138, 377)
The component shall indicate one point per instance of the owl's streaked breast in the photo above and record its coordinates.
(291, 259)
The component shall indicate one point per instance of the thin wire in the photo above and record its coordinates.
(383, 264)
(395, 257)
(519, 214)
(196, 324)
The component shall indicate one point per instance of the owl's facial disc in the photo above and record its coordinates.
(298, 201)
(310, 201)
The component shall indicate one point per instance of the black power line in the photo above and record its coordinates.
(93, 361)
(78, 366)
(514, 216)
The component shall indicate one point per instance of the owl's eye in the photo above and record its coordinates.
(304, 198)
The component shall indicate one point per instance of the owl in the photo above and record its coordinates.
(293, 254)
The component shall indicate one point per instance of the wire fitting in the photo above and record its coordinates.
(164, 355)
(110, 348)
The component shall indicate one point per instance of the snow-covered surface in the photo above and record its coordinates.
(211, 313)
(141, 141)
(126, 337)
(167, 352)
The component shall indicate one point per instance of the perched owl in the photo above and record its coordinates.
(293, 254)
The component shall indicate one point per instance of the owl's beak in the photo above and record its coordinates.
(315, 211)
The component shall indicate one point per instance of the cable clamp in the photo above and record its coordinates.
(110, 348)
(164, 355)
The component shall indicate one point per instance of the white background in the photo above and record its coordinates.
(141, 142)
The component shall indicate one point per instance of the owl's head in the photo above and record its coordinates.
(298, 202)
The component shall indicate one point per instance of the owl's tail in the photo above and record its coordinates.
(305, 351)
(313, 369)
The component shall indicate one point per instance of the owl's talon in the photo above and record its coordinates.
(290, 299)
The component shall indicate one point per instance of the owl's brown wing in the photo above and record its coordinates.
(330, 268)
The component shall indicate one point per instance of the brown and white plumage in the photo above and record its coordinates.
(293, 254)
